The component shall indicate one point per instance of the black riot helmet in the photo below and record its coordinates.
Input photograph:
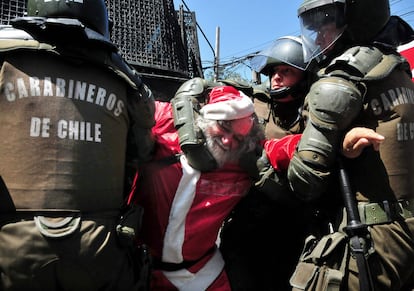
(324, 21)
(92, 13)
(286, 50)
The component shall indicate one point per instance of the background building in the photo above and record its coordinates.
(407, 51)
(158, 41)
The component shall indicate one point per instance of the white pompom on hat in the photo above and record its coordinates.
(227, 103)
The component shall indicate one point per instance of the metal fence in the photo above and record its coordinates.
(148, 33)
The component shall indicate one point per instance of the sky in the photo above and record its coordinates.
(248, 26)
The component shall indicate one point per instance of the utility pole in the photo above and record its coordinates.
(256, 78)
(217, 54)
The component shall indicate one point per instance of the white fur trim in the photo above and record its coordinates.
(229, 110)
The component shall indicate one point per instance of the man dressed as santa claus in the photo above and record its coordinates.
(185, 204)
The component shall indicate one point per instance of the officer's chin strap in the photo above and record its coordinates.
(359, 236)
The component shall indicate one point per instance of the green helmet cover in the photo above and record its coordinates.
(92, 13)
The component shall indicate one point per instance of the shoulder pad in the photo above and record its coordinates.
(9, 32)
(239, 85)
(124, 70)
(362, 63)
(61, 31)
(12, 38)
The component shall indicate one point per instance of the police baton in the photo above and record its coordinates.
(359, 237)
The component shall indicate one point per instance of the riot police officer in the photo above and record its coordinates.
(363, 82)
(289, 79)
(74, 118)
(264, 230)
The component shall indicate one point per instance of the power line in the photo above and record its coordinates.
(230, 62)
(403, 13)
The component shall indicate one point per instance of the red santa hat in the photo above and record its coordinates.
(227, 103)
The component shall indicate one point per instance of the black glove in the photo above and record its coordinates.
(265, 178)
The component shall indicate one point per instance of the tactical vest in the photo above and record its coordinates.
(389, 106)
(65, 122)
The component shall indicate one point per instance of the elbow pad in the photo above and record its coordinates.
(333, 104)
(197, 88)
(186, 107)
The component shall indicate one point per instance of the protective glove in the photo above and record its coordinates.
(265, 179)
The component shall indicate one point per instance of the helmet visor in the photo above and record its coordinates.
(259, 62)
(320, 28)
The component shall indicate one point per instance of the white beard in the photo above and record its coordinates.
(221, 155)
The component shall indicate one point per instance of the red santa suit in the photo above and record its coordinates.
(184, 210)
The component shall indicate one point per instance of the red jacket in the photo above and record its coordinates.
(184, 208)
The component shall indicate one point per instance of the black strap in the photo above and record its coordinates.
(166, 266)
(6, 204)
(169, 160)
(173, 266)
